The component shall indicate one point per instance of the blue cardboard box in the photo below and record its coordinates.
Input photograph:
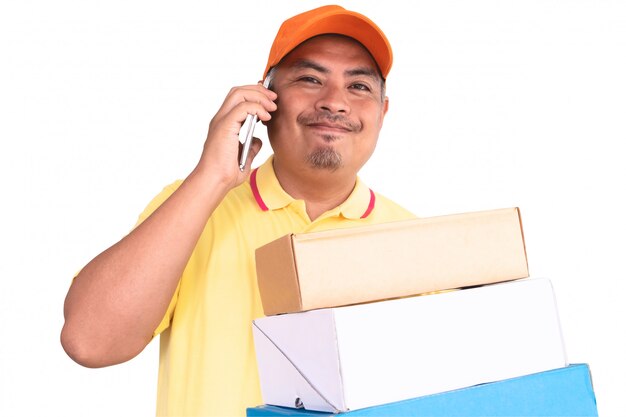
(560, 392)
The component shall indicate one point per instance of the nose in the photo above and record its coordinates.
(333, 99)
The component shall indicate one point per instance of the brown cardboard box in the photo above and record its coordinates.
(300, 272)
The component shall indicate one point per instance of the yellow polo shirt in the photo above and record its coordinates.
(207, 364)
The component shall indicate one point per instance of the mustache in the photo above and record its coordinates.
(336, 119)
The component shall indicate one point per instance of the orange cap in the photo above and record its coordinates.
(326, 20)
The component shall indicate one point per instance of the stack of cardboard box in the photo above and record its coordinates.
(433, 316)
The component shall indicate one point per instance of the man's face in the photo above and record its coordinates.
(330, 108)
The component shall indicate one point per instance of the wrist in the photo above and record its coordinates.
(209, 181)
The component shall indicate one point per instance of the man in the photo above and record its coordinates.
(187, 270)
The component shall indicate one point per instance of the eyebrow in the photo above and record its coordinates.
(308, 64)
(368, 72)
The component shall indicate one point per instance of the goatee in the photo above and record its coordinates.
(325, 158)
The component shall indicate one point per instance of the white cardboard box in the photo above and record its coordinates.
(346, 358)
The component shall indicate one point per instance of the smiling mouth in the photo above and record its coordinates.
(334, 124)
(329, 127)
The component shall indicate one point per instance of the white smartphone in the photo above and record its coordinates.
(251, 120)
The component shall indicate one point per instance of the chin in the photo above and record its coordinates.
(325, 158)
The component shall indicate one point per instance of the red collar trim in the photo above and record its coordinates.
(371, 205)
(259, 200)
(255, 191)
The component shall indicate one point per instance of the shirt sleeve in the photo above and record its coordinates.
(151, 208)
(157, 201)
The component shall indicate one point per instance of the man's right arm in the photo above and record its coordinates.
(119, 298)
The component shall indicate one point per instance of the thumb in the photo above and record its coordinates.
(255, 147)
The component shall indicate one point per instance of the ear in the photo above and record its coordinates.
(383, 111)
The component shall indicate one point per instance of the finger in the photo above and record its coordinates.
(255, 147)
(241, 111)
(256, 93)
(230, 123)
(245, 94)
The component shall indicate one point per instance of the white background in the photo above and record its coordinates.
(493, 104)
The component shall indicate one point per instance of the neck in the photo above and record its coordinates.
(321, 190)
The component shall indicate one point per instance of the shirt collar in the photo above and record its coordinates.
(269, 195)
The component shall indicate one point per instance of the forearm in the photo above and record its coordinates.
(119, 298)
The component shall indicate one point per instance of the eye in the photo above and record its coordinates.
(309, 79)
(360, 86)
